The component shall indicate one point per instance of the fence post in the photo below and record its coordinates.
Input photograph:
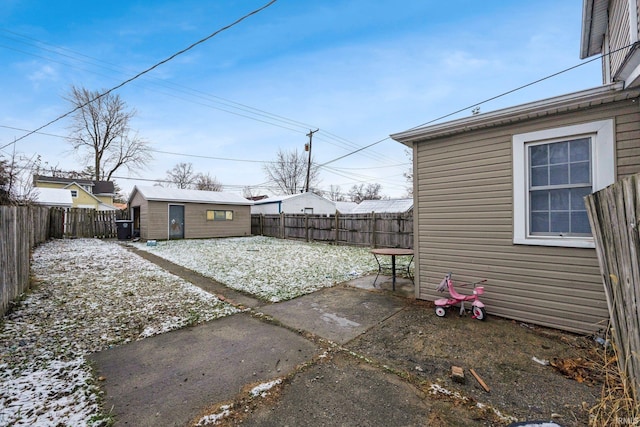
(337, 223)
(373, 229)
(261, 224)
(282, 234)
(306, 227)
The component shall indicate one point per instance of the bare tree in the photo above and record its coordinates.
(6, 179)
(361, 192)
(248, 192)
(409, 174)
(335, 194)
(206, 182)
(16, 184)
(101, 136)
(288, 173)
(182, 175)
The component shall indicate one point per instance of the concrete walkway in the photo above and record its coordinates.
(169, 379)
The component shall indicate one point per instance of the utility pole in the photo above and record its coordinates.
(307, 147)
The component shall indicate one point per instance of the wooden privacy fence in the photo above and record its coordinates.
(21, 229)
(369, 230)
(90, 223)
(614, 214)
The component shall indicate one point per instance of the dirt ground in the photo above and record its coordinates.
(501, 352)
(411, 354)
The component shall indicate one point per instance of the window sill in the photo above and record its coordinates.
(558, 242)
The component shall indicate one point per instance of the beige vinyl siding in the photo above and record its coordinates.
(628, 143)
(620, 32)
(154, 218)
(196, 225)
(158, 220)
(139, 201)
(464, 222)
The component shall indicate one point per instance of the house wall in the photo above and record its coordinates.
(196, 225)
(139, 201)
(154, 217)
(463, 219)
(105, 199)
(297, 205)
(619, 32)
(266, 208)
(156, 223)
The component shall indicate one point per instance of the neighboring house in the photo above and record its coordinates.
(169, 213)
(500, 195)
(345, 207)
(383, 206)
(85, 193)
(303, 203)
(53, 197)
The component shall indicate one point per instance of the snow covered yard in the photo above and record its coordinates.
(269, 268)
(90, 295)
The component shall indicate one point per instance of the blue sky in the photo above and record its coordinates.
(358, 70)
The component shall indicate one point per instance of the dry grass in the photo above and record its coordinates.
(617, 405)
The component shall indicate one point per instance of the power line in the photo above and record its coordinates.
(145, 71)
(325, 136)
(483, 102)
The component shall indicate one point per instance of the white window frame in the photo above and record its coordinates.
(602, 175)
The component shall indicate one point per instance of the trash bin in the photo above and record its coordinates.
(125, 228)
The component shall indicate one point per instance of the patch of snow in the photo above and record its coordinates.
(214, 418)
(438, 389)
(89, 295)
(261, 389)
(269, 268)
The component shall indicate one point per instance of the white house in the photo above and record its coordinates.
(303, 203)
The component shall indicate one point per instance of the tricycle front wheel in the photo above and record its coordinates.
(440, 311)
(479, 313)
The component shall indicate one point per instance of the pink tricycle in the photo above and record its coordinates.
(477, 307)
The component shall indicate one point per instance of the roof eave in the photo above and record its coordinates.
(204, 202)
(560, 104)
(594, 25)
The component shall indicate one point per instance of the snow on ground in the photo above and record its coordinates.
(269, 268)
(90, 295)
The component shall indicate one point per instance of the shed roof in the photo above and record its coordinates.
(53, 197)
(163, 194)
(383, 206)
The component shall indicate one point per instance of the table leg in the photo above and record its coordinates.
(379, 269)
(393, 271)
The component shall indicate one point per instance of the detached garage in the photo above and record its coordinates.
(160, 213)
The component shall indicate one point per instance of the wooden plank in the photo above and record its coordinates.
(614, 215)
(480, 381)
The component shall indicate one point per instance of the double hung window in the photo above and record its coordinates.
(559, 179)
(553, 170)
